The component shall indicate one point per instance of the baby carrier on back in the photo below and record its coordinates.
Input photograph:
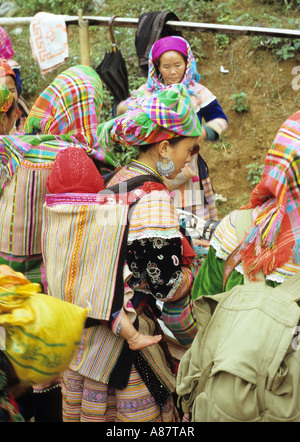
(85, 242)
(244, 364)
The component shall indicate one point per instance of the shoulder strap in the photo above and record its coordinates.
(292, 287)
(132, 183)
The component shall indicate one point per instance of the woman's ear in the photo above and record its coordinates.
(164, 148)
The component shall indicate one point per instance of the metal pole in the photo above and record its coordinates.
(189, 26)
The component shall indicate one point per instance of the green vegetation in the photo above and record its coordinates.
(241, 102)
(254, 174)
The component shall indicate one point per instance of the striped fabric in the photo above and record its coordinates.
(154, 215)
(76, 236)
(85, 400)
(97, 353)
(179, 317)
(92, 364)
(21, 210)
(40, 149)
(100, 348)
(190, 197)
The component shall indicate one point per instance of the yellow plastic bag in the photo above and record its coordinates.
(42, 332)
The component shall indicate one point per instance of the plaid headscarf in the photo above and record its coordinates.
(161, 116)
(275, 237)
(6, 99)
(70, 105)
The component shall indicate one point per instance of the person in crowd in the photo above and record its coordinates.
(8, 79)
(75, 172)
(106, 381)
(273, 242)
(66, 114)
(171, 61)
(272, 245)
(13, 69)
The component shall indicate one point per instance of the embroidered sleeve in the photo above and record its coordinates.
(156, 267)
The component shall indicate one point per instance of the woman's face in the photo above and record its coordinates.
(172, 67)
(180, 153)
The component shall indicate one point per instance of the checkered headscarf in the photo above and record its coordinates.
(161, 116)
(275, 237)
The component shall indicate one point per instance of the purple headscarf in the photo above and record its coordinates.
(168, 44)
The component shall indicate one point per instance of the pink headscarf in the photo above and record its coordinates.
(168, 44)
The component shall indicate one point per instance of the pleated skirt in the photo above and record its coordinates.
(86, 400)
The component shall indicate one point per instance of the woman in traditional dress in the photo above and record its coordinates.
(171, 61)
(66, 114)
(106, 381)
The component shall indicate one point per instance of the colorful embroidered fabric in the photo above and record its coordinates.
(273, 242)
(200, 96)
(6, 50)
(188, 194)
(225, 242)
(155, 256)
(275, 236)
(71, 104)
(161, 116)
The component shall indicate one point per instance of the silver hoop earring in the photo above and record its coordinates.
(165, 169)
